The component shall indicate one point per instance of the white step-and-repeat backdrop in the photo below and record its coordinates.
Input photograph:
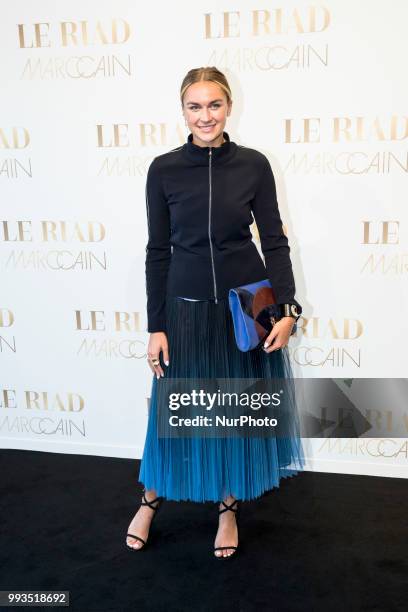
(89, 95)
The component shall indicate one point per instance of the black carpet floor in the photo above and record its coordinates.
(321, 542)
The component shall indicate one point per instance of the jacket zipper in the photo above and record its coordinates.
(209, 221)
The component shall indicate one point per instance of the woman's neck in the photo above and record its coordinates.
(206, 144)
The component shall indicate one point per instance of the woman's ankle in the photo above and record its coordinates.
(150, 494)
(227, 501)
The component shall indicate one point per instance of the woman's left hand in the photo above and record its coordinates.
(280, 334)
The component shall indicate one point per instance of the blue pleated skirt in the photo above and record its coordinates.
(202, 344)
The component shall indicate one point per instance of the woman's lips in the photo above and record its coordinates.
(207, 128)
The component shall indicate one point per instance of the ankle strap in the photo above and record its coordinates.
(149, 503)
(228, 506)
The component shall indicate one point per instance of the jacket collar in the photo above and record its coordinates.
(200, 155)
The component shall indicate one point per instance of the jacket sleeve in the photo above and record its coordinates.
(274, 243)
(158, 250)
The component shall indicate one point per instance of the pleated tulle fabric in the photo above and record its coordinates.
(202, 344)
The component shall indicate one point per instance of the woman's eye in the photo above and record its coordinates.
(194, 108)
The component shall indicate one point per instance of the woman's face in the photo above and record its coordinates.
(206, 109)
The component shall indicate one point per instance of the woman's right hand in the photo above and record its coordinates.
(157, 343)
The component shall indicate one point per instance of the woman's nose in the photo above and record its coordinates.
(205, 114)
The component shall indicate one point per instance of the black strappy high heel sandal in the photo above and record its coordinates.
(236, 510)
(145, 502)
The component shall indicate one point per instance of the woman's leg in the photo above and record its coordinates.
(227, 529)
(140, 523)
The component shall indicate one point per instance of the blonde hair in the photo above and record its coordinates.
(205, 73)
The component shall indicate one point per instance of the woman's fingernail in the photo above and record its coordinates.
(162, 375)
(266, 344)
(157, 376)
(166, 362)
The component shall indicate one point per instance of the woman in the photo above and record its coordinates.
(200, 198)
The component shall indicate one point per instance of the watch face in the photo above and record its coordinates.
(294, 310)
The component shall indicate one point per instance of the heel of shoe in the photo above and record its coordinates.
(238, 513)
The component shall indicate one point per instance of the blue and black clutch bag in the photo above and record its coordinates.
(254, 312)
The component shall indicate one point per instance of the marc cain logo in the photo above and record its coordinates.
(376, 447)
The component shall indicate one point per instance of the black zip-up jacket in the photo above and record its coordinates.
(200, 202)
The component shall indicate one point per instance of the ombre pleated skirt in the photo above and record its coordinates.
(202, 344)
